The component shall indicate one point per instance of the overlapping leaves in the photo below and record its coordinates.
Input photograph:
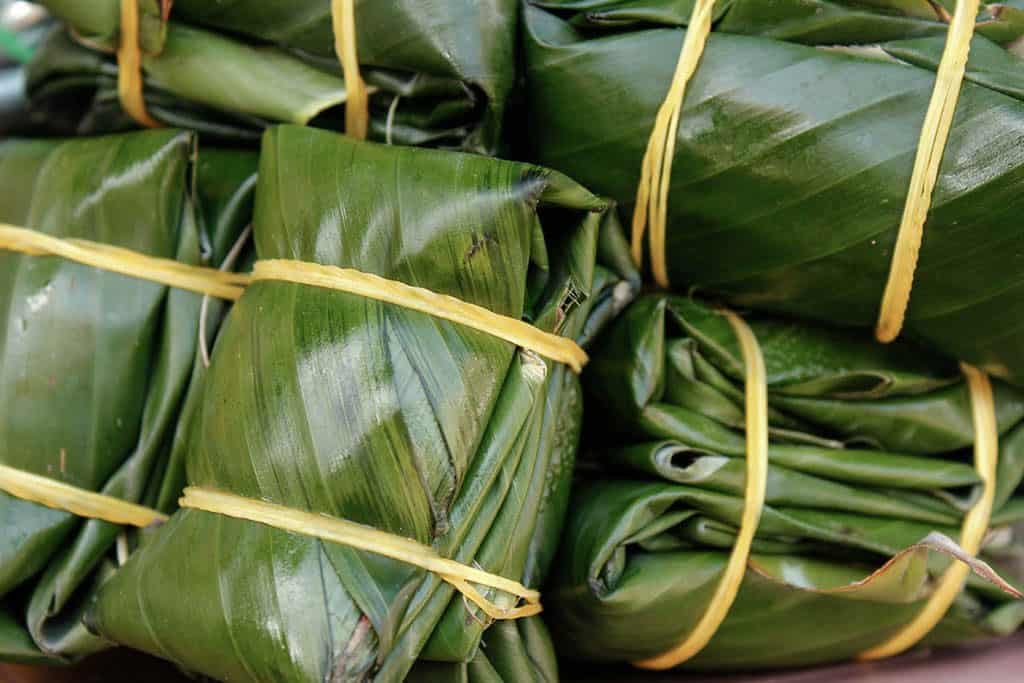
(329, 402)
(94, 367)
(793, 161)
(231, 69)
(870, 453)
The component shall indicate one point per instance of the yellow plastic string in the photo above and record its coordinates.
(224, 285)
(357, 103)
(656, 171)
(83, 503)
(362, 537)
(754, 494)
(975, 526)
(552, 346)
(228, 285)
(129, 66)
(934, 134)
(59, 496)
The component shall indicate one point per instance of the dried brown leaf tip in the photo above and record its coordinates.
(945, 545)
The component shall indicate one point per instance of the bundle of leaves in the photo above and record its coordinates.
(870, 453)
(794, 153)
(438, 78)
(95, 366)
(328, 402)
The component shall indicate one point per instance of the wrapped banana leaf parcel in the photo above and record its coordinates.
(869, 474)
(437, 75)
(781, 174)
(95, 366)
(378, 464)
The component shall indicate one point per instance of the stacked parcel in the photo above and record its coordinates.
(95, 366)
(794, 152)
(437, 77)
(869, 454)
(336, 404)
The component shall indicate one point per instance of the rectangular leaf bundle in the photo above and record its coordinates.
(95, 366)
(438, 76)
(794, 152)
(333, 403)
(869, 453)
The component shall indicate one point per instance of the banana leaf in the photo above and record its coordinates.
(327, 402)
(793, 161)
(440, 75)
(812, 22)
(870, 452)
(95, 366)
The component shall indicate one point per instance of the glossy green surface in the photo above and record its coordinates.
(328, 402)
(442, 70)
(870, 451)
(792, 161)
(94, 366)
(814, 22)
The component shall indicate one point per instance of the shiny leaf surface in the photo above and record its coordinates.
(793, 161)
(94, 366)
(869, 454)
(331, 403)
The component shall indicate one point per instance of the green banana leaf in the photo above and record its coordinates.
(328, 402)
(95, 366)
(870, 452)
(813, 22)
(440, 74)
(793, 161)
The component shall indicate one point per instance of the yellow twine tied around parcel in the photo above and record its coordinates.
(83, 503)
(221, 284)
(357, 103)
(60, 496)
(754, 495)
(362, 537)
(370, 286)
(228, 285)
(934, 134)
(975, 526)
(129, 66)
(656, 170)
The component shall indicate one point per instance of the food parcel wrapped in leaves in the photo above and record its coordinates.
(378, 466)
(868, 471)
(94, 365)
(802, 144)
(436, 75)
